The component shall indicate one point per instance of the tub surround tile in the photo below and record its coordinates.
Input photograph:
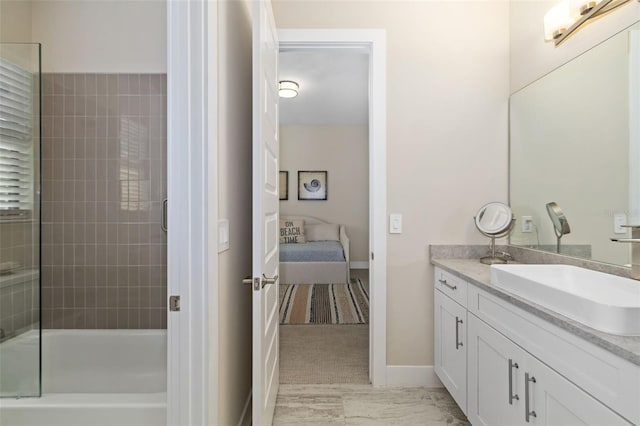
(104, 177)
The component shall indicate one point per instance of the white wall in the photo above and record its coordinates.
(111, 36)
(531, 57)
(343, 151)
(15, 21)
(447, 93)
(234, 201)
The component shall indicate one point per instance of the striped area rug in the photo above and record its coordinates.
(324, 303)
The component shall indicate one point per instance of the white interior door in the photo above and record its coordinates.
(265, 214)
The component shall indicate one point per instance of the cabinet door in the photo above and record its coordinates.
(558, 402)
(495, 377)
(451, 347)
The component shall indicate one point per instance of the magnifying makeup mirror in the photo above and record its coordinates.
(560, 223)
(494, 220)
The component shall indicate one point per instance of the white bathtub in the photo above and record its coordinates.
(89, 378)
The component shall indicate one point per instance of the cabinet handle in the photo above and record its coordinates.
(163, 217)
(512, 396)
(528, 413)
(458, 342)
(445, 283)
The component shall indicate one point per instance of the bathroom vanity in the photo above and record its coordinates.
(509, 361)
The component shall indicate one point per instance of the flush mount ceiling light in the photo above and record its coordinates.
(288, 89)
(568, 16)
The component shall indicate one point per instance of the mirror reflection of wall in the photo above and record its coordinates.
(570, 143)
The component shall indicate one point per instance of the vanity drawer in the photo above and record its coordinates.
(451, 285)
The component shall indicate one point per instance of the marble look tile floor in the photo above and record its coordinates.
(365, 405)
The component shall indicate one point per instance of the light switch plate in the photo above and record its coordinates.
(223, 235)
(395, 223)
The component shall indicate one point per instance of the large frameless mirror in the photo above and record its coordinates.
(574, 142)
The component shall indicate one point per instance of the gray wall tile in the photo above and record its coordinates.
(104, 178)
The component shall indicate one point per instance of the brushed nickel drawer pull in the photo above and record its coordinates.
(512, 396)
(445, 283)
(458, 342)
(528, 413)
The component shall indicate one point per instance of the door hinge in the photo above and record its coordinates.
(371, 255)
(174, 303)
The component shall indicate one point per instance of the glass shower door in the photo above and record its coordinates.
(20, 334)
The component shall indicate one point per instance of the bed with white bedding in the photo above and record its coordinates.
(322, 259)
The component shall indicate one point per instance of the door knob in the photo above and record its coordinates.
(266, 280)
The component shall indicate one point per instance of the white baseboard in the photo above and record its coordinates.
(359, 265)
(245, 418)
(412, 376)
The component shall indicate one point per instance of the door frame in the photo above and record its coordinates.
(192, 258)
(375, 42)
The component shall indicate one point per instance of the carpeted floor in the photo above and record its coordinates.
(324, 354)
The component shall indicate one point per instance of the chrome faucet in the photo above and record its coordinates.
(635, 249)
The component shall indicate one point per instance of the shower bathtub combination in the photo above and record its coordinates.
(83, 339)
(89, 378)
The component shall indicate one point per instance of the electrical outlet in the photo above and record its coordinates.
(526, 224)
(619, 219)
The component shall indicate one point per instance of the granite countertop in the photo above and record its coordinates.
(476, 273)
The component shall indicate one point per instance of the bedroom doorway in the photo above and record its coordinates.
(332, 208)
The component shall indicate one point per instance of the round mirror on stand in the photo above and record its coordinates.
(495, 220)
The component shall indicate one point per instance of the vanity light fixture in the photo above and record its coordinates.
(568, 16)
(288, 89)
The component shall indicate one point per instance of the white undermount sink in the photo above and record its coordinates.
(601, 301)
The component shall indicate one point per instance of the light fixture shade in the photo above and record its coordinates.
(559, 18)
(288, 89)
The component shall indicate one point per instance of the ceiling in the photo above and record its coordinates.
(333, 86)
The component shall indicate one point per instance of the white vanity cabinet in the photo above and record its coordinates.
(558, 402)
(451, 346)
(450, 322)
(507, 386)
(506, 366)
(495, 379)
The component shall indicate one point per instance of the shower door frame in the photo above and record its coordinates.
(192, 261)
